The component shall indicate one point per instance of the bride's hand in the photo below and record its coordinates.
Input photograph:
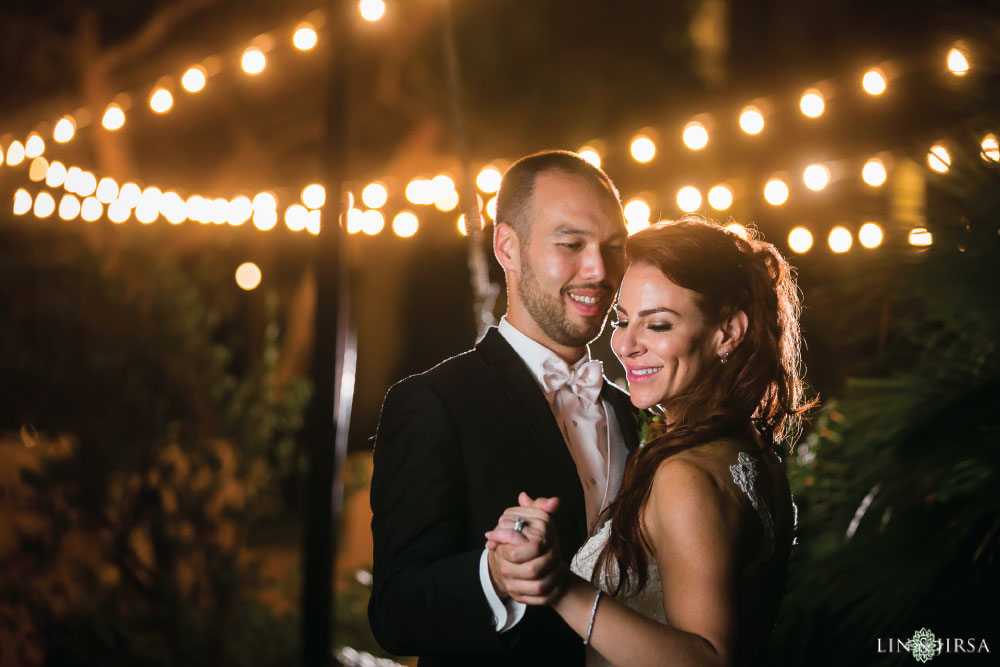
(527, 564)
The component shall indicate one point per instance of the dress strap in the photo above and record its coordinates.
(745, 475)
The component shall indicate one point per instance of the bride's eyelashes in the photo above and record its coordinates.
(655, 326)
(619, 324)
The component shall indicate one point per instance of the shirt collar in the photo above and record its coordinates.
(532, 352)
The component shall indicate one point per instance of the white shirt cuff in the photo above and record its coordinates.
(505, 614)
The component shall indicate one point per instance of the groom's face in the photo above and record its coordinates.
(573, 260)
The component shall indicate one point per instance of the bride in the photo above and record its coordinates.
(707, 329)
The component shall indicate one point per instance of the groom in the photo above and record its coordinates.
(525, 410)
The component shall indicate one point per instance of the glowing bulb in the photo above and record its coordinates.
(372, 222)
(151, 197)
(240, 210)
(371, 10)
(15, 153)
(146, 214)
(296, 217)
(91, 209)
(990, 148)
(751, 120)
(462, 228)
(491, 208)
(918, 236)
(172, 208)
(405, 224)
(248, 276)
(253, 61)
(870, 235)
(34, 146)
(304, 37)
(161, 100)
(118, 211)
(958, 64)
(442, 185)
(265, 201)
(816, 177)
(69, 207)
(695, 137)
(194, 79)
(938, 159)
(64, 129)
(488, 180)
(107, 190)
(313, 222)
(22, 201)
(840, 240)
(720, 197)
(447, 201)
(314, 195)
(738, 229)
(265, 219)
(355, 220)
(114, 117)
(73, 175)
(420, 191)
(129, 195)
(636, 214)
(800, 239)
(374, 195)
(643, 149)
(775, 192)
(56, 175)
(873, 173)
(689, 199)
(590, 155)
(86, 184)
(873, 82)
(812, 103)
(44, 205)
(39, 169)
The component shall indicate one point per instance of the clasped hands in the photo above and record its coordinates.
(527, 565)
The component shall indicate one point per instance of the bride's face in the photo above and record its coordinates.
(661, 336)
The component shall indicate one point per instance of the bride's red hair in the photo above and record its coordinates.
(760, 388)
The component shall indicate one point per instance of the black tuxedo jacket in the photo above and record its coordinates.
(454, 447)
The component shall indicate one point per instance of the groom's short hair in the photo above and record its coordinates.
(518, 185)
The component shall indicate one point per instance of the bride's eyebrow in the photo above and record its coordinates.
(661, 309)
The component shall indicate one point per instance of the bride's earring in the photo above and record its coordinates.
(724, 358)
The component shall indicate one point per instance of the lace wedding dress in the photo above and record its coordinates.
(649, 601)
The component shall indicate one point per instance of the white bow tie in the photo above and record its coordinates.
(585, 381)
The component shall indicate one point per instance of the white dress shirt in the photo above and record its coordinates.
(594, 439)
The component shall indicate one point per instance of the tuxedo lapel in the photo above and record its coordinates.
(527, 397)
(624, 411)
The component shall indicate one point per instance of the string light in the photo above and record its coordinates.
(812, 103)
(64, 130)
(194, 79)
(313, 222)
(919, 236)
(873, 173)
(689, 199)
(118, 211)
(253, 61)
(958, 63)
(129, 194)
(739, 230)
(800, 240)
(873, 82)
(15, 153)
(374, 195)
(488, 180)
(775, 192)
(160, 100)
(372, 222)
(419, 191)
(34, 146)
(840, 240)
(22, 201)
(313, 196)
(86, 184)
(240, 209)
(405, 224)
(304, 37)
(114, 117)
(751, 120)
(371, 10)
(990, 148)
(695, 137)
(72, 182)
(173, 208)
(107, 190)
(870, 235)
(491, 208)
(355, 220)
(591, 155)
(720, 197)
(39, 169)
(462, 229)
(636, 213)
(642, 148)
(296, 217)
(91, 209)
(56, 175)
(248, 276)
(938, 159)
(44, 205)
(69, 207)
(816, 177)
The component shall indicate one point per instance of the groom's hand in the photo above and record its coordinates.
(527, 565)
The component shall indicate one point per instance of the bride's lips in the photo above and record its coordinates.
(588, 302)
(639, 374)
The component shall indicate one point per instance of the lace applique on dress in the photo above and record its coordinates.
(745, 475)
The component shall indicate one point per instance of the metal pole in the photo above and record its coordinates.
(325, 459)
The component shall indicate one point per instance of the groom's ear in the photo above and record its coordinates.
(506, 247)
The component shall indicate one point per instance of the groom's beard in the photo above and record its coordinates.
(549, 311)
